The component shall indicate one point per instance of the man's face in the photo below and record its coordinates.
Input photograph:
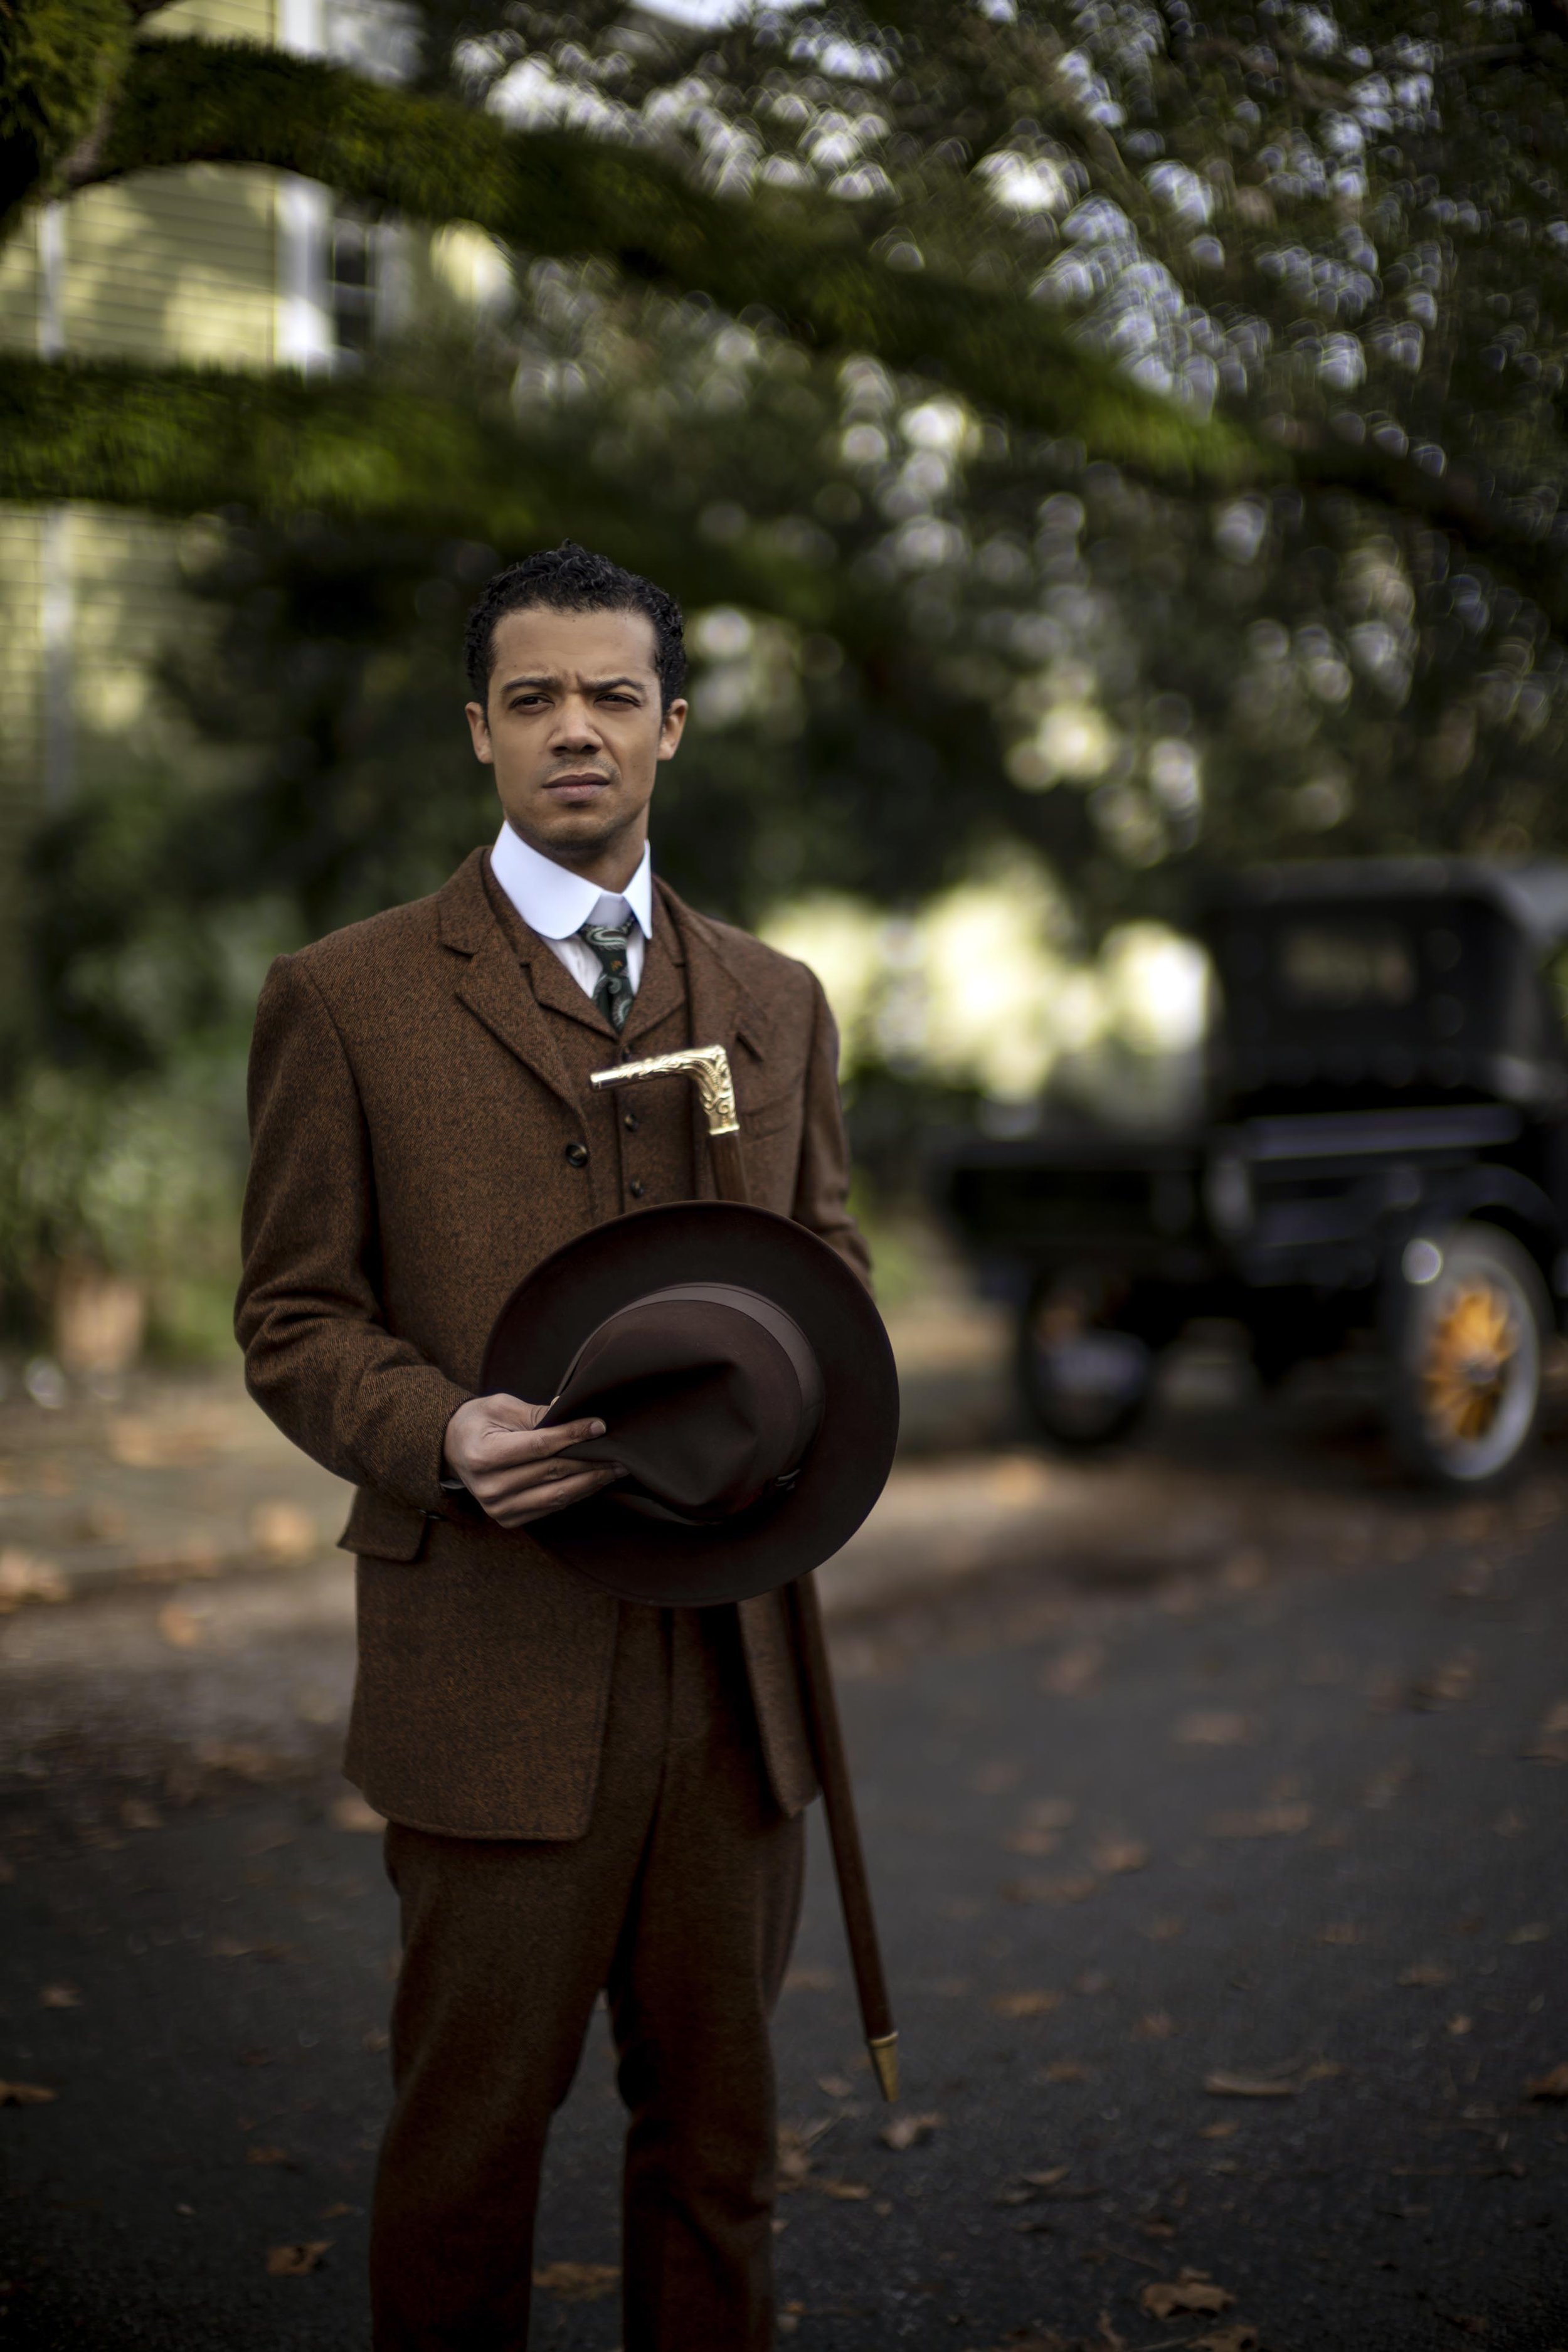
(574, 732)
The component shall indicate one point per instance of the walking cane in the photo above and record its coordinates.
(709, 1068)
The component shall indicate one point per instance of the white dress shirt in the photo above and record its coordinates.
(556, 903)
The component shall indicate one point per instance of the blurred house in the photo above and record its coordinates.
(213, 265)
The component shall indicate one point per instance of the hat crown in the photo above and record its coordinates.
(710, 1394)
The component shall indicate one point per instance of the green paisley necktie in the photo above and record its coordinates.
(614, 994)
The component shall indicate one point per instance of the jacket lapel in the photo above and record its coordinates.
(491, 981)
(722, 1012)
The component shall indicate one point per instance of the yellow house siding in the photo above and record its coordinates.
(20, 287)
(173, 266)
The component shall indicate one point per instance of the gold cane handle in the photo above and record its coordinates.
(708, 1066)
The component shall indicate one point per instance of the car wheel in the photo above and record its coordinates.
(1470, 1324)
(1084, 1379)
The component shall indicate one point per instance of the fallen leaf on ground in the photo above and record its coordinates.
(1212, 1726)
(1536, 1932)
(907, 2131)
(1156, 2025)
(1193, 2292)
(183, 1630)
(25, 1577)
(1340, 1931)
(804, 1979)
(1073, 1672)
(1548, 1744)
(336, 2212)
(1032, 1841)
(1239, 2338)
(1223, 2085)
(293, 2261)
(270, 2156)
(1460, 2025)
(1446, 1685)
(1065, 2069)
(837, 2086)
(1114, 1855)
(1164, 1929)
(352, 1812)
(1050, 2178)
(135, 1813)
(1553, 2084)
(1025, 2004)
(1384, 1786)
(1263, 1820)
(284, 1532)
(26, 2094)
(1219, 2131)
(1048, 1813)
(59, 1996)
(229, 1947)
(1107, 2340)
(1424, 1972)
(578, 2282)
(378, 2038)
(1074, 1887)
(846, 2192)
(243, 1758)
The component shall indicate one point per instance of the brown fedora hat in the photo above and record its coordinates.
(746, 1383)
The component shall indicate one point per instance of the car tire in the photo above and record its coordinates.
(1468, 1326)
(1084, 1378)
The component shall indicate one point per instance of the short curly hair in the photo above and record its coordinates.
(572, 579)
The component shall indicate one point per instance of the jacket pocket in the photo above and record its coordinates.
(381, 1527)
(771, 1117)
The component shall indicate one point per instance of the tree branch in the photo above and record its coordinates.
(177, 441)
(554, 193)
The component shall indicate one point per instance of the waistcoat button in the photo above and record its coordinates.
(577, 1153)
(630, 1122)
(636, 1188)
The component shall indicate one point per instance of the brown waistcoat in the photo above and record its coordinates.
(420, 1104)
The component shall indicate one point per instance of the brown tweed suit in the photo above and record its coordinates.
(420, 1108)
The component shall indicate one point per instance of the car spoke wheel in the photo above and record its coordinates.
(1468, 1369)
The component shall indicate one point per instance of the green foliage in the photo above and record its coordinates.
(431, 159)
(131, 1177)
(60, 63)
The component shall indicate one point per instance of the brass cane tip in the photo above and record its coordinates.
(884, 2054)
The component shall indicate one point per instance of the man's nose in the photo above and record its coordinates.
(576, 728)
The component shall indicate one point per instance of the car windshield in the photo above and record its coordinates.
(1336, 966)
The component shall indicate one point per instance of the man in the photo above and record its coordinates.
(582, 1794)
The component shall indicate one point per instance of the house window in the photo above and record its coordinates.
(352, 274)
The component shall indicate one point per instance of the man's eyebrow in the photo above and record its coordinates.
(591, 685)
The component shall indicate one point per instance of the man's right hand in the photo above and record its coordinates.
(511, 1467)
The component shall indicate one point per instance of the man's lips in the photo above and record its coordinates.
(583, 780)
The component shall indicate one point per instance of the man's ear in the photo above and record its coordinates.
(672, 726)
(479, 729)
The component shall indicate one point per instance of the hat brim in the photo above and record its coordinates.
(552, 1310)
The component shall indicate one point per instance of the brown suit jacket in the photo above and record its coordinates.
(419, 1108)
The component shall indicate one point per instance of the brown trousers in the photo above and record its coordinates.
(681, 1902)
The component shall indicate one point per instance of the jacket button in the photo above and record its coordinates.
(630, 1122)
(636, 1188)
(577, 1153)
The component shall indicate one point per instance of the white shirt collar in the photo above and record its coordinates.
(555, 902)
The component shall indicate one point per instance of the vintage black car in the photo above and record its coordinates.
(1384, 1152)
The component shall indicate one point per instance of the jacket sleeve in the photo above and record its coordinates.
(822, 1181)
(318, 1358)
